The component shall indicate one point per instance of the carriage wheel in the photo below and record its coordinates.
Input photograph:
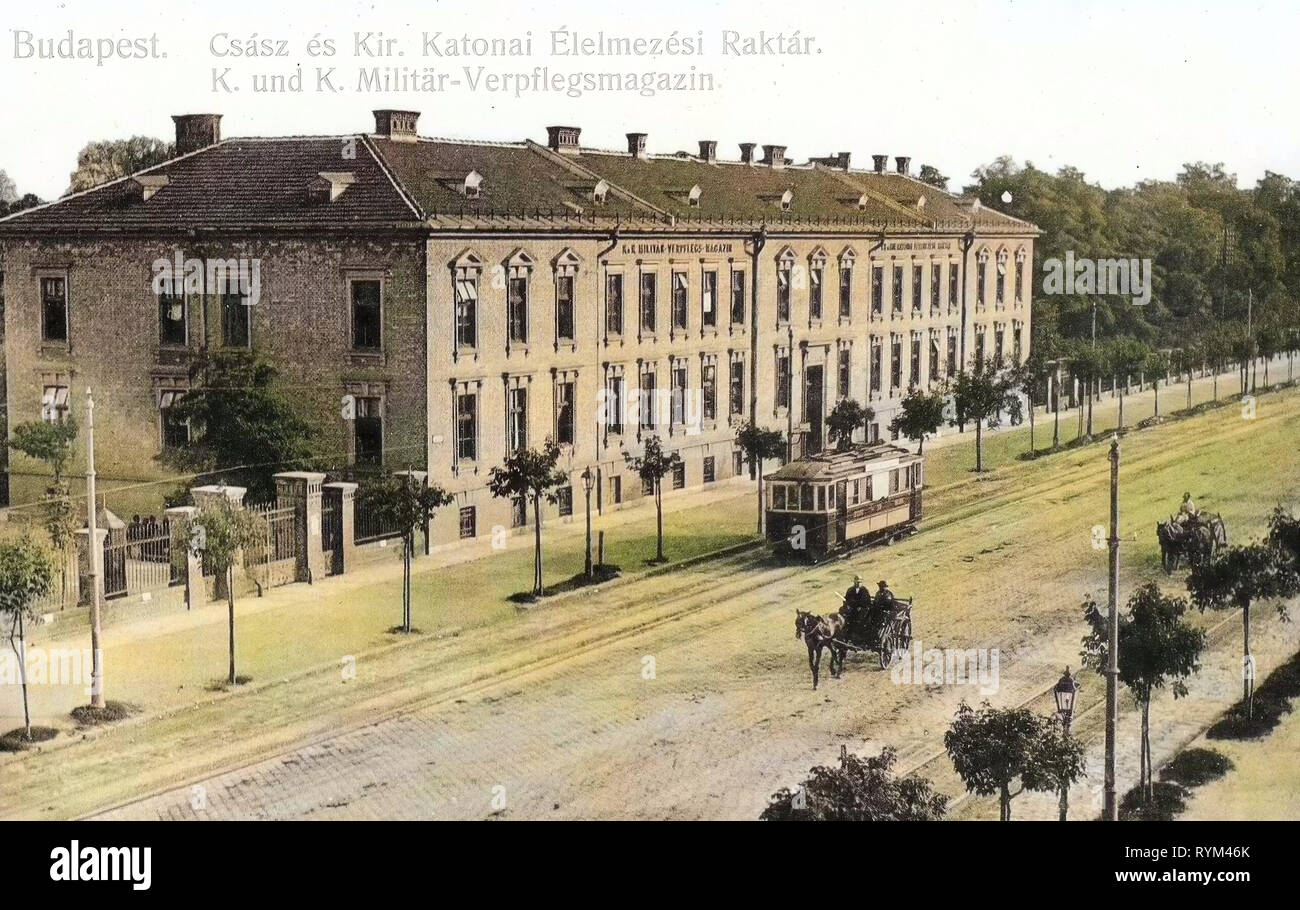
(885, 653)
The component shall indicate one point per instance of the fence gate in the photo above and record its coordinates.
(331, 528)
(139, 559)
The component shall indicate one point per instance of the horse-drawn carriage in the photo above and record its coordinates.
(1196, 539)
(829, 502)
(884, 629)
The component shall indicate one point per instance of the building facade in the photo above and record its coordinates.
(433, 304)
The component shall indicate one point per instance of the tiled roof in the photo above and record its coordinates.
(235, 183)
(264, 184)
(516, 179)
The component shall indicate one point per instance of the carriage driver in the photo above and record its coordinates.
(884, 597)
(1187, 512)
(857, 599)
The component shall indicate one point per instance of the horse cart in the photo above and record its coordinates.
(885, 631)
(1195, 541)
(828, 503)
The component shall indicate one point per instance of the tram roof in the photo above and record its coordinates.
(834, 465)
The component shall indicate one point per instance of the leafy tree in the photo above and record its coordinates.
(991, 748)
(51, 442)
(652, 467)
(759, 444)
(845, 419)
(26, 201)
(103, 161)
(1026, 377)
(1088, 364)
(531, 474)
(400, 502)
(1156, 366)
(244, 428)
(930, 174)
(220, 531)
(977, 395)
(1237, 579)
(1124, 357)
(1284, 535)
(1184, 361)
(26, 573)
(860, 789)
(921, 416)
(1155, 646)
(8, 189)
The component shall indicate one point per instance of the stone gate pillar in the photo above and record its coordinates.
(213, 494)
(185, 557)
(342, 496)
(302, 490)
(82, 535)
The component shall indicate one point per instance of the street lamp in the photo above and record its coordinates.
(1065, 691)
(588, 483)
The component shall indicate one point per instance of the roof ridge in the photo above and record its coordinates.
(407, 196)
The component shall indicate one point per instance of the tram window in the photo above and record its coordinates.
(868, 488)
(778, 496)
(893, 481)
(806, 498)
(821, 499)
(830, 497)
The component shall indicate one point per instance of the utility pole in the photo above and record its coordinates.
(95, 553)
(1111, 809)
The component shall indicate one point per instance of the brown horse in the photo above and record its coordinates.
(818, 633)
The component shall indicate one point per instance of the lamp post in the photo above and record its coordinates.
(588, 483)
(1065, 691)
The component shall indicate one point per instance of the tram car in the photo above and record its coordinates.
(835, 501)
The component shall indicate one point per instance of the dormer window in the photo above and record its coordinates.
(920, 202)
(149, 184)
(329, 185)
(693, 197)
(862, 203)
(787, 198)
(600, 192)
(473, 185)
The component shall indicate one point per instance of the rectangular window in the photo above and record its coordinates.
(649, 300)
(1000, 284)
(737, 463)
(366, 333)
(898, 289)
(979, 349)
(981, 278)
(934, 356)
(468, 522)
(998, 335)
(709, 389)
(783, 294)
(175, 431)
(616, 489)
(737, 387)
(783, 380)
(1016, 339)
(517, 310)
(895, 363)
(646, 402)
(1020, 279)
(709, 299)
(709, 470)
(952, 287)
(845, 373)
(54, 404)
(517, 419)
(778, 496)
(952, 353)
(467, 426)
(564, 414)
(737, 297)
(916, 288)
(369, 432)
(614, 388)
(815, 293)
(171, 320)
(805, 497)
(679, 475)
(877, 290)
(846, 292)
(876, 355)
(564, 501)
(614, 305)
(467, 312)
(678, 400)
(681, 300)
(564, 308)
(54, 309)
(936, 286)
(234, 321)
(894, 483)
(915, 375)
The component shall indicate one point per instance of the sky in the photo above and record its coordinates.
(1123, 91)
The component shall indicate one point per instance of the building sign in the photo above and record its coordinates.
(919, 245)
(666, 248)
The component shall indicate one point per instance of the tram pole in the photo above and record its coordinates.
(96, 554)
(1111, 809)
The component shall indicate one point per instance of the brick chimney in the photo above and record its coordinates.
(708, 150)
(398, 126)
(774, 156)
(636, 144)
(746, 153)
(880, 162)
(902, 162)
(563, 139)
(196, 131)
